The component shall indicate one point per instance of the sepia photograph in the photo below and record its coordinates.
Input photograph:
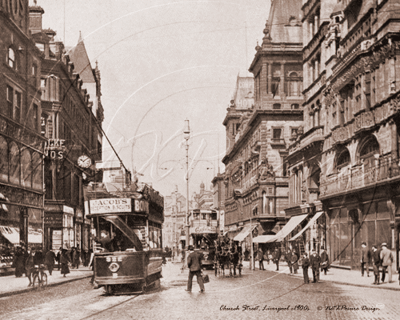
(199, 159)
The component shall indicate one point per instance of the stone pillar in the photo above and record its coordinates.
(393, 128)
(263, 83)
(282, 81)
(316, 69)
(269, 78)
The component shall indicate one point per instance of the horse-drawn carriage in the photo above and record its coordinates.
(227, 257)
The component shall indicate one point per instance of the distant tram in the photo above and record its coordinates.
(204, 230)
(128, 229)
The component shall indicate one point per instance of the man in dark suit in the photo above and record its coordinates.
(376, 260)
(315, 261)
(277, 256)
(194, 265)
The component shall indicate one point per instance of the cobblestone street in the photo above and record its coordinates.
(255, 295)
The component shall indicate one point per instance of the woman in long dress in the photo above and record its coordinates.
(64, 260)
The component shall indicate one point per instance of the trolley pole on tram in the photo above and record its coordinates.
(186, 134)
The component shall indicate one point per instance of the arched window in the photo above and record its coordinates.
(37, 176)
(26, 168)
(369, 148)
(3, 160)
(11, 58)
(343, 158)
(15, 164)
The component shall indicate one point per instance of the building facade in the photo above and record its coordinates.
(21, 144)
(351, 90)
(258, 135)
(174, 218)
(72, 128)
(219, 199)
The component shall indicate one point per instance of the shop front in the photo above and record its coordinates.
(348, 227)
(59, 228)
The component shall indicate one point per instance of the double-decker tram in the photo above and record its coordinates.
(127, 230)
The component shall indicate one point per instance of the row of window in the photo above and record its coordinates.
(20, 166)
(14, 108)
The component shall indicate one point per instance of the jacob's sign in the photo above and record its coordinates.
(111, 205)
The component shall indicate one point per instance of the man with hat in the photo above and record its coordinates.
(387, 260)
(194, 265)
(376, 260)
(366, 258)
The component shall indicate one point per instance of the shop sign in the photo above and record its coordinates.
(79, 213)
(110, 205)
(53, 220)
(232, 227)
(17, 9)
(54, 149)
(67, 209)
(203, 229)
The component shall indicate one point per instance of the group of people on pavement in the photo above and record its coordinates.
(379, 258)
(25, 260)
(317, 262)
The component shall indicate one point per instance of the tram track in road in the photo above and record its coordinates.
(111, 307)
(129, 299)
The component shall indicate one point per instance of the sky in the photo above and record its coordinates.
(163, 62)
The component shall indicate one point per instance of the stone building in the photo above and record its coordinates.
(256, 179)
(21, 144)
(174, 218)
(219, 199)
(351, 102)
(71, 122)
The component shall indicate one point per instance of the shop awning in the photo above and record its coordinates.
(288, 228)
(264, 238)
(309, 224)
(244, 233)
(10, 233)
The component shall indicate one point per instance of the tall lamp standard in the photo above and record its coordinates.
(186, 135)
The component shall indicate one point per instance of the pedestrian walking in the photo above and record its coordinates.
(277, 256)
(29, 265)
(194, 265)
(268, 256)
(295, 261)
(324, 260)
(58, 258)
(387, 260)
(366, 259)
(376, 261)
(75, 257)
(64, 260)
(19, 262)
(49, 260)
(235, 260)
(260, 258)
(315, 262)
(305, 263)
(288, 258)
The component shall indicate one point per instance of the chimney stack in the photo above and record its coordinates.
(35, 18)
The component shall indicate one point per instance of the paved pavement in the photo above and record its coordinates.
(10, 285)
(173, 275)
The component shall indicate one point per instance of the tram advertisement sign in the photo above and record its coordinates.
(203, 229)
(110, 205)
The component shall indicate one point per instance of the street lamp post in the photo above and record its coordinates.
(186, 134)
